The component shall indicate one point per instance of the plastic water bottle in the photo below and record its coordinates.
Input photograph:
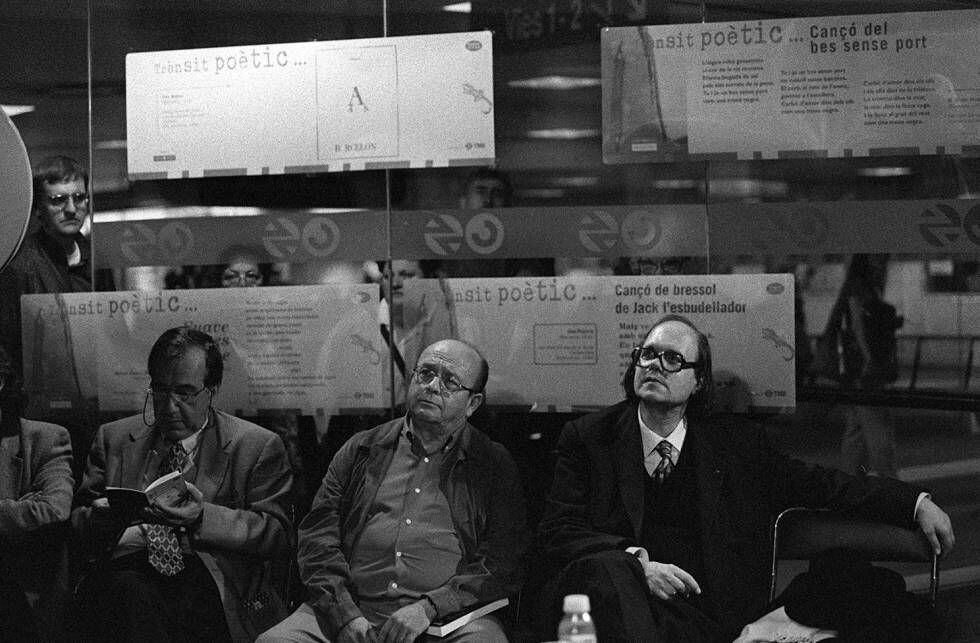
(576, 625)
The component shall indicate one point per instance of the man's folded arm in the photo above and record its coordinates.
(49, 500)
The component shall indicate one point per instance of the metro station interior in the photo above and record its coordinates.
(802, 216)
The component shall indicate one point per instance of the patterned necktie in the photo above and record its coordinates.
(162, 544)
(666, 465)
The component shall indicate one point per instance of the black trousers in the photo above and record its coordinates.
(622, 607)
(16, 616)
(129, 601)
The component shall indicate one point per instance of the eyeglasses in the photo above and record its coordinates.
(424, 376)
(248, 278)
(161, 395)
(670, 361)
(61, 200)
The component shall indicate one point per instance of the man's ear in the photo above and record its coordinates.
(476, 399)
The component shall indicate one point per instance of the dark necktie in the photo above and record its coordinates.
(666, 465)
(162, 544)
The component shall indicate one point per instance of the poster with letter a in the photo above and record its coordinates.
(334, 106)
(290, 347)
(565, 342)
(828, 87)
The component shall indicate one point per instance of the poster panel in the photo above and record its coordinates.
(295, 347)
(410, 101)
(563, 342)
(822, 87)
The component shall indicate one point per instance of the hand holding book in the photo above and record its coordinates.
(169, 500)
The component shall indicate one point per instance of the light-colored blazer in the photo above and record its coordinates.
(246, 533)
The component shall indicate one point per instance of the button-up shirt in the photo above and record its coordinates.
(408, 545)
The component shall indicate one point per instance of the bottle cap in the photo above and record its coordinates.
(576, 603)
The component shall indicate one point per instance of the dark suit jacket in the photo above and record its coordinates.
(35, 498)
(597, 500)
(244, 475)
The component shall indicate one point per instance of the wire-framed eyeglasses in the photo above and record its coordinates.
(447, 381)
(670, 361)
(61, 200)
(161, 395)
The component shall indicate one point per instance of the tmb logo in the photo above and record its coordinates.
(484, 233)
(445, 235)
(319, 237)
(600, 232)
(940, 228)
(142, 245)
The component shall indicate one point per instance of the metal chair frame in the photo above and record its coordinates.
(876, 540)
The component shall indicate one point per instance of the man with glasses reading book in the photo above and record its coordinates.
(662, 514)
(416, 519)
(193, 566)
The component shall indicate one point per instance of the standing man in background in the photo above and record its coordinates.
(54, 256)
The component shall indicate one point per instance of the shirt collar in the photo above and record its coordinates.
(651, 439)
(448, 444)
(75, 256)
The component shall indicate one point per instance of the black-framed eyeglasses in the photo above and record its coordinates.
(449, 382)
(247, 278)
(61, 200)
(670, 361)
(161, 395)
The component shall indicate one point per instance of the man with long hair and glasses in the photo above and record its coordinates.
(417, 518)
(199, 566)
(662, 514)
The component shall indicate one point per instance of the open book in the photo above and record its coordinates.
(452, 622)
(130, 502)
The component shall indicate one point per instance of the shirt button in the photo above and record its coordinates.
(417, 490)
(398, 554)
(394, 586)
(408, 521)
(426, 459)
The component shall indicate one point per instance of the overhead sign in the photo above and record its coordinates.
(15, 190)
(411, 101)
(565, 342)
(828, 87)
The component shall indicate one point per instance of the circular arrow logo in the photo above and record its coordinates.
(598, 232)
(484, 233)
(138, 244)
(641, 230)
(443, 234)
(321, 237)
(281, 238)
(809, 227)
(175, 241)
